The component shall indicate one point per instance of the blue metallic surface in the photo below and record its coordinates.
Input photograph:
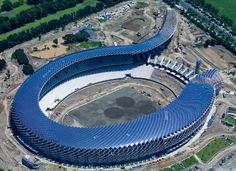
(120, 143)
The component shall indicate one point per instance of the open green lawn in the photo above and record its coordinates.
(212, 149)
(50, 17)
(225, 7)
(204, 154)
(90, 44)
(233, 138)
(176, 167)
(15, 11)
(189, 162)
(230, 120)
(183, 165)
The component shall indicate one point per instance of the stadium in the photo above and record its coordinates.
(155, 134)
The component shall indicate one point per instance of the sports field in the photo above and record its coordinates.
(122, 105)
(225, 7)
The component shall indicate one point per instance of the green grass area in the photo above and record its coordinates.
(205, 154)
(212, 149)
(200, 45)
(141, 4)
(90, 44)
(189, 162)
(230, 120)
(176, 167)
(225, 7)
(57, 15)
(233, 138)
(183, 165)
(15, 11)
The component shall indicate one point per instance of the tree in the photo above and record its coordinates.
(45, 27)
(81, 36)
(226, 20)
(6, 5)
(28, 69)
(2, 64)
(55, 41)
(20, 56)
(172, 3)
(33, 2)
(40, 9)
(3, 19)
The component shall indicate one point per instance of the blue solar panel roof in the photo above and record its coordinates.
(187, 108)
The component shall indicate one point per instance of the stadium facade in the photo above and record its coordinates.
(155, 134)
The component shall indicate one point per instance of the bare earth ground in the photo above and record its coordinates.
(52, 52)
(219, 56)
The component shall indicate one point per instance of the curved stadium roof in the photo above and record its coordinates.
(183, 111)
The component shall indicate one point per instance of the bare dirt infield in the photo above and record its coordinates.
(122, 105)
(113, 102)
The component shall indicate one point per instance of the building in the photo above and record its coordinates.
(154, 135)
(30, 162)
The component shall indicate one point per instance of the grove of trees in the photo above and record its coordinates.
(171, 2)
(35, 32)
(35, 2)
(36, 12)
(20, 56)
(28, 69)
(81, 36)
(211, 10)
(2, 64)
(6, 5)
(218, 36)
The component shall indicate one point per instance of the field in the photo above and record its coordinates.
(189, 162)
(209, 151)
(230, 120)
(225, 7)
(90, 44)
(122, 105)
(57, 15)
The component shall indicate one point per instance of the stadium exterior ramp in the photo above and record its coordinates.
(155, 134)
